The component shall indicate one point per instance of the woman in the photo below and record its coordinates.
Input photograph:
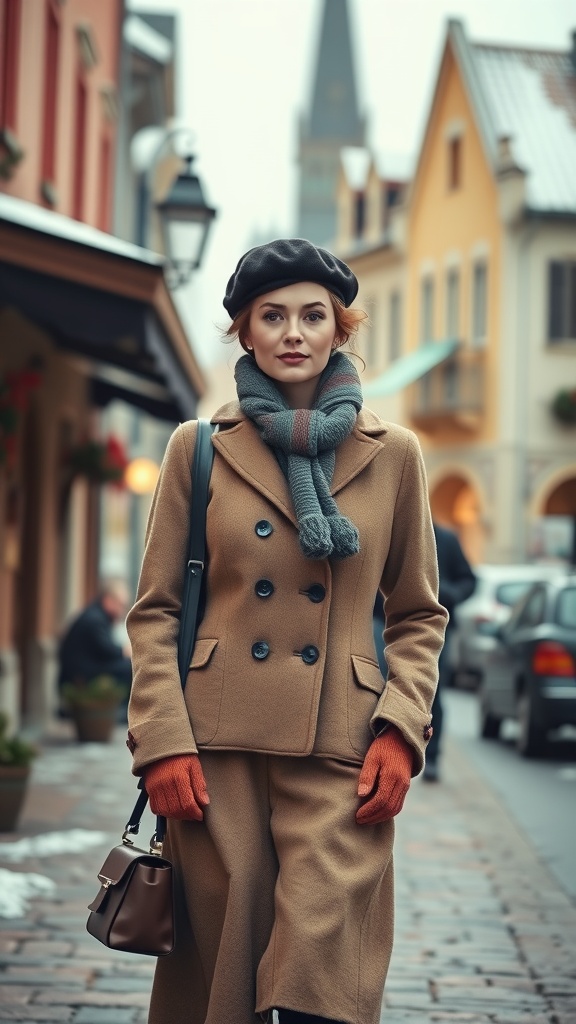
(283, 764)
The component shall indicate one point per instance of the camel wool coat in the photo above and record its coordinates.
(284, 660)
(283, 900)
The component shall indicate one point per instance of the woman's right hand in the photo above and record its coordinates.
(176, 787)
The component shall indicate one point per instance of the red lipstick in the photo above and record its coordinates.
(293, 358)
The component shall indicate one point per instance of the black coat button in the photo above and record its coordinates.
(310, 654)
(316, 593)
(264, 588)
(263, 528)
(260, 650)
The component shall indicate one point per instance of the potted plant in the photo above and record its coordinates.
(100, 461)
(93, 706)
(16, 756)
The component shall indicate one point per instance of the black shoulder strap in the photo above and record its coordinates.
(192, 589)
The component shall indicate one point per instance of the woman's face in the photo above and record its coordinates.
(291, 334)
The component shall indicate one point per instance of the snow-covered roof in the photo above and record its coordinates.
(356, 164)
(141, 36)
(395, 166)
(36, 218)
(531, 97)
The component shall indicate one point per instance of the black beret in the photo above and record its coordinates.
(287, 261)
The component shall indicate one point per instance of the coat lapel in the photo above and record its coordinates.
(255, 462)
(240, 445)
(352, 457)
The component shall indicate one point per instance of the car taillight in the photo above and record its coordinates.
(552, 659)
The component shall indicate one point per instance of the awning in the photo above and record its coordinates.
(101, 298)
(409, 368)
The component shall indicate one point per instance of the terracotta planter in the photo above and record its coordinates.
(94, 723)
(13, 785)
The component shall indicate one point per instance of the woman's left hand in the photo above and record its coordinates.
(385, 777)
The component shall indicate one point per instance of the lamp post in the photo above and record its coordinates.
(185, 217)
(185, 221)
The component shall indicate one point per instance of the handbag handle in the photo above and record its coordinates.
(191, 610)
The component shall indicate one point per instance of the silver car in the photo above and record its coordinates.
(499, 587)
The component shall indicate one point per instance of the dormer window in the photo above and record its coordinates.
(454, 163)
(359, 214)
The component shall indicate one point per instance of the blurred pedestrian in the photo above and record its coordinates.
(282, 766)
(457, 582)
(88, 647)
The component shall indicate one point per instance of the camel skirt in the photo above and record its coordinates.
(282, 899)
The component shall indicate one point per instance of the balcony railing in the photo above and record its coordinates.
(450, 395)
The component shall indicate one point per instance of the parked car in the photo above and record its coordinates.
(498, 588)
(531, 672)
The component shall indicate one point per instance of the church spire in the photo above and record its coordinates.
(333, 121)
(334, 112)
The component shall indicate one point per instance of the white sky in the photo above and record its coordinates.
(244, 72)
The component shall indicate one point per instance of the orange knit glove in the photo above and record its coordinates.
(177, 787)
(385, 777)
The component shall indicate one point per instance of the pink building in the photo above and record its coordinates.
(84, 317)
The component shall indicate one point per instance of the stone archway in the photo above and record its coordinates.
(561, 501)
(455, 503)
(559, 505)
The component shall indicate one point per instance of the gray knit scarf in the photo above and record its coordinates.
(304, 442)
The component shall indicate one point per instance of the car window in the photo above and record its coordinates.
(533, 611)
(510, 593)
(566, 608)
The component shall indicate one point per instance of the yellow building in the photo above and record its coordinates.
(483, 248)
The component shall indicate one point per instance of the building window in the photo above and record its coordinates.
(105, 183)
(50, 104)
(359, 214)
(479, 303)
(395, 326)
(427, 311)
(391, 196)
(454, 163)
(80, 146)
(10, 12)
(452, 304)
(562, 300)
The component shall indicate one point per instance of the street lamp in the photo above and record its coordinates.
(184, 214)
(141, 475)
(185, 219)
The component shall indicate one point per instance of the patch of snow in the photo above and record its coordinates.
(17, 888)
(73, 841)
(139, 34)
(356, 164)
(541, 130)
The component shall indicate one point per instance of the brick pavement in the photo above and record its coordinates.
(483, 932)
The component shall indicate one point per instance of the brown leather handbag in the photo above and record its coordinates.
(134, 908)
(133, 911)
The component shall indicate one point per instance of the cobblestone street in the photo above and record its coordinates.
(484, 933)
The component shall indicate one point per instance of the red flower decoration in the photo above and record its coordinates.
(103, 462)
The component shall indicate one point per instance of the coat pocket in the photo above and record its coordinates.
(364, 691)
(367, 674)
(204, 689)
(202, 652)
